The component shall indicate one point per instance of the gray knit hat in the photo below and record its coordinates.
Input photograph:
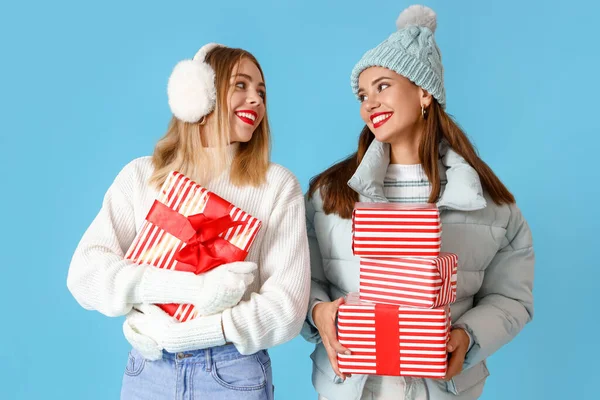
(411, 51)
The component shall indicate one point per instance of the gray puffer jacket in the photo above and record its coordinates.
(495, 273)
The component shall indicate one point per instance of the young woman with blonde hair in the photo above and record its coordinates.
(219, 137)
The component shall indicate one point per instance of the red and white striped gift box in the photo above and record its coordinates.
(168, 229)
(411, 282)
(396, 230)
(392, 340)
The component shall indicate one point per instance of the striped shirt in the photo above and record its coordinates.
(406, 184)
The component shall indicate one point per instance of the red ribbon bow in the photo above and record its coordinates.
(206, 250)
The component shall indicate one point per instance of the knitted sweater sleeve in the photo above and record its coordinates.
(100, 278)
(275, 315)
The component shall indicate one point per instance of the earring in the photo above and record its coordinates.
(202, 120)
(423, 112)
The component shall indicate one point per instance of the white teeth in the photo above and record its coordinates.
(381, 118)
(247, 115)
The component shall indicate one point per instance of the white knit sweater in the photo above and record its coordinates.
(275, 304)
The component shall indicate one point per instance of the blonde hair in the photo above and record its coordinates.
(182, 148)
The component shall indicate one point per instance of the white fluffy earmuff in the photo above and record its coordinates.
(191, 88)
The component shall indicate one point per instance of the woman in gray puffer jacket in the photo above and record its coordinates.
(411, 151)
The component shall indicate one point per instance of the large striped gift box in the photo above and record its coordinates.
(396, 230)
(411, 282)
(189, 228)
(391, 340)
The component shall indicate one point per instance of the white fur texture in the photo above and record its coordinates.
(201, 54)
(191, 90)
(417, 16)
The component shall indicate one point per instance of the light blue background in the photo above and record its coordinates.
(83, 91)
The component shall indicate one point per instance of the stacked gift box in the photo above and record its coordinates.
(192, 229)
(399, 323)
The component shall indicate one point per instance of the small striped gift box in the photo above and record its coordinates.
(396, 230)
(411, 282)
(189, 228)
(392, 340)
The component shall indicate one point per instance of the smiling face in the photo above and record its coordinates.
(246, 100)
(390, 104)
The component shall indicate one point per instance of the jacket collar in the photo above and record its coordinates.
(462, 192)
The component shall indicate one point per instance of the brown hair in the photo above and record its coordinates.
(339, 198)
(182, 149)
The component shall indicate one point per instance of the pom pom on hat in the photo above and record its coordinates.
(417, 16)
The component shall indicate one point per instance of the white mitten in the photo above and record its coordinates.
(146, 328)
(210, 292)
(224, 287)
(151, 330)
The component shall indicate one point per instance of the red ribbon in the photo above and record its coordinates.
(387, 339)
(204, 249)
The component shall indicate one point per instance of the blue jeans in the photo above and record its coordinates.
(216, 373)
